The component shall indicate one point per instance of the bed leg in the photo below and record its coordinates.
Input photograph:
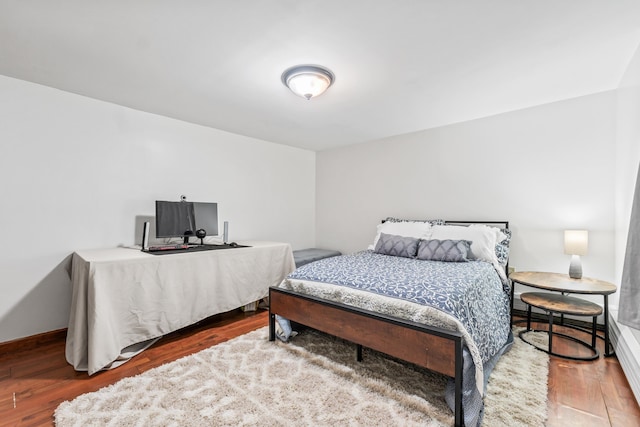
(359, 352)
(459, 419)
(272, 326)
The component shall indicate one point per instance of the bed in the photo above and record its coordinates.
(431, 292)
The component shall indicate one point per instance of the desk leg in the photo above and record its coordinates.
(607, 344)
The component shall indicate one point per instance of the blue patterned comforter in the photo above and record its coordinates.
(470, 297)
(471, 292)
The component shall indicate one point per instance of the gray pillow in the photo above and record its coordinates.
(390, 244)
(445, 250)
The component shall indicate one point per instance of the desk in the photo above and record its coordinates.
(123, 296)
(562, 283)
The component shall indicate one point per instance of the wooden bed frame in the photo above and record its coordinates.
(430, 347)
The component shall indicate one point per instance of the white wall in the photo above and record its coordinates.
(545, 169)
(76, 172)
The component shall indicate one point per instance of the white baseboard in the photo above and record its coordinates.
(627, 348)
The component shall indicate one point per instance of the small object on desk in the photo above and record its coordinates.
(168, 247)
(233, 245)
(201, 233)
(145, 236)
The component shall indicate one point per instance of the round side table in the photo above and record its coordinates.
(556, 282)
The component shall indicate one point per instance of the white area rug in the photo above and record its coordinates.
(312, 381)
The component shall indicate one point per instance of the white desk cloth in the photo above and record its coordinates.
(123, 296)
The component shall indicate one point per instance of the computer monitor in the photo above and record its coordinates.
(175, 219)
(183, 219)
(206, 217)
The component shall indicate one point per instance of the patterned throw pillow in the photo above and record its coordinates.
(389, 244)
(417, 230)
(444, 250)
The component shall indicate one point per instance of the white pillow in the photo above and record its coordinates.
(500, 236)
(483, 239)
(418, 230)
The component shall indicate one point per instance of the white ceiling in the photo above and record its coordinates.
(400, 65)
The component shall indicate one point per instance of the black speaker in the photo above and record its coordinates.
(201, 233)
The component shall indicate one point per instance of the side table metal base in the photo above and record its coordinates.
(596, 353)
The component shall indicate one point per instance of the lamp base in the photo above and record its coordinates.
(575, 268)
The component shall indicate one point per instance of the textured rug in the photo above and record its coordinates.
(312, 381)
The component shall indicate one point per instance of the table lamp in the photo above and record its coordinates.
(575, 244)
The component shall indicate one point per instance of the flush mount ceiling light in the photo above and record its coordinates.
(307, 81)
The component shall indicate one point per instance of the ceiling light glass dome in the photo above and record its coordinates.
(308, 81)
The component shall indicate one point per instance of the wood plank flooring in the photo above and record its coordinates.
(583, 393)
(580, 393)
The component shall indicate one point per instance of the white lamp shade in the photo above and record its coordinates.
(576, 242)
(307, 81)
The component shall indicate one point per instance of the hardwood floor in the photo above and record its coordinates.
(580, 393)
(583, 393)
